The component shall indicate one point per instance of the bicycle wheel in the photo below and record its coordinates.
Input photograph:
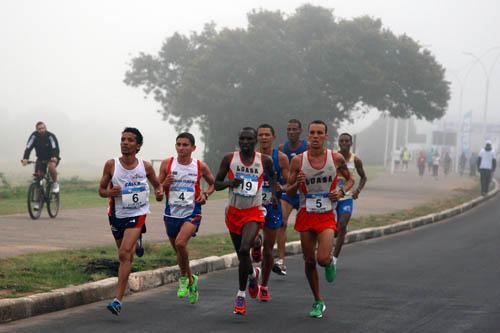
(53, 204)
(35, 201)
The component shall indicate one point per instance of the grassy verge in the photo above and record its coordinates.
(33, 273)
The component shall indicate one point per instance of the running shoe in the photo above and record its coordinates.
(115, 307)
(279, 268)
(139, 247)
(193, 290)
(253, 283)
(264, 295)
(55, 187)
(330, 272)
(256, 250)
(240, 306)
(183, 287)
(318, 308)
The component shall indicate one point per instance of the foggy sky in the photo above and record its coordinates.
(64, 62)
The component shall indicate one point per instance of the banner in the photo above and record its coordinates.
(466, 132)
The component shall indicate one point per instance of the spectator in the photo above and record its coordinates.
(436, 158)
(461, 163)
(486, 163)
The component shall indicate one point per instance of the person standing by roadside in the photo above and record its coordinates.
(436, 158)
(125, 182)
(486, 163)
(421, 163)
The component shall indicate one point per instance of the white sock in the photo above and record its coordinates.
(334, 260)
(253, 275)
(241, 293)
(116, 299)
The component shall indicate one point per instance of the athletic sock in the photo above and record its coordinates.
(241, 293)
(253, 275)
(334, 260)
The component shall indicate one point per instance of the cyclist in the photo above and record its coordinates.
(47, 152)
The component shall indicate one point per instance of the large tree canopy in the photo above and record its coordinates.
(308, 65)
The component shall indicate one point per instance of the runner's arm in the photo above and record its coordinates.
(344, 171)
(220, 180)
(105, 190)
(285, 169)
(150, 173)
(206, 173)
(164, 178)
(295, 177)
(362, 177)
(271, 174)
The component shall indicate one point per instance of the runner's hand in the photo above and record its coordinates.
(355, 194)
(301, 177)
(159, 195)
(334, 196)
(168, 181)
(201, 199)
(274, 201)
(235, 182)
(24, 162)
(115, 191)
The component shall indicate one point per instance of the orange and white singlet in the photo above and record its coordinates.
(249, 193)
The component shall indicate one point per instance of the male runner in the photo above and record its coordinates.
(345, 204)
(124, 182)
(274, 219)
(47, 152)
(244, 215)
(315, 172)
(180, 178)
(294, 146)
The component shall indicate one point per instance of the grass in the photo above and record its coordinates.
(40, 272)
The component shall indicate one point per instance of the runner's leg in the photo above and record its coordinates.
(126, 254)
(180, 246)
(242, 244)
(341, 232)
(267, 260)
(308, 242)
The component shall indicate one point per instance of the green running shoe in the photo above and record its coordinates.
(318, 308)
(183, 287)
(330, 272)
(193, 290)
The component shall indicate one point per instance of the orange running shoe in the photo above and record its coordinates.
(240, 306)
(264, 295)
(253, 283)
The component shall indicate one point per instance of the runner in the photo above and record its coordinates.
(314, 172)
(345, 205)
(124, 182)
(274, 219)
(180, 178)
(244, 215)
(291, 148)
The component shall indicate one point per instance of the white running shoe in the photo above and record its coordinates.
(55, 187)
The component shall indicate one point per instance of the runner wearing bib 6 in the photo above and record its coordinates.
(345, 205)
(180, 177)
(294, 146)
(315, 172)
(274, 219)
(124, 182)
(245, 171)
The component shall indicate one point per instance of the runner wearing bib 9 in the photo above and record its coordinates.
(294, 146)
(124, 182)
(274, 219)
(315, 172)
(180, 177)
(245, 171)
(345, 205)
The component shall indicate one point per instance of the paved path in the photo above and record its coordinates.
(89, 227)
(438, 278)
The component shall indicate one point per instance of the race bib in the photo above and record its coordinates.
(266, 195)
(134, 197)
(181, 197)
(318, 203)
(249, 186)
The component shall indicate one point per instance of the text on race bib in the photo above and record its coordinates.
(266, 195)
(318, 203)
(135, 196)
(181, 196)
(248, 187)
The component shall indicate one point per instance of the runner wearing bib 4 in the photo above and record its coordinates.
(180, 177)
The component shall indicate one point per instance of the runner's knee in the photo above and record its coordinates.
(323, 260)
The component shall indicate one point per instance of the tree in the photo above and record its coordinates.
(308, 65)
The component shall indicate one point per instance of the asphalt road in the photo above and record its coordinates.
(439, 278)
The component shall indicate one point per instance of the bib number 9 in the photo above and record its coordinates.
(248, 186)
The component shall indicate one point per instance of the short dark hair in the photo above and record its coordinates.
(39, 123)
(138, 136)
(266, 126)
(295, 121)
(186, 135)
(345, 133)
(320, 122)
(248, 128)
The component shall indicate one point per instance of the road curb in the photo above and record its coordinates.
(64, 298)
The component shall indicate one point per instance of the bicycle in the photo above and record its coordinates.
(40, 192)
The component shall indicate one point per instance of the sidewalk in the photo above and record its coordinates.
(89, 227)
